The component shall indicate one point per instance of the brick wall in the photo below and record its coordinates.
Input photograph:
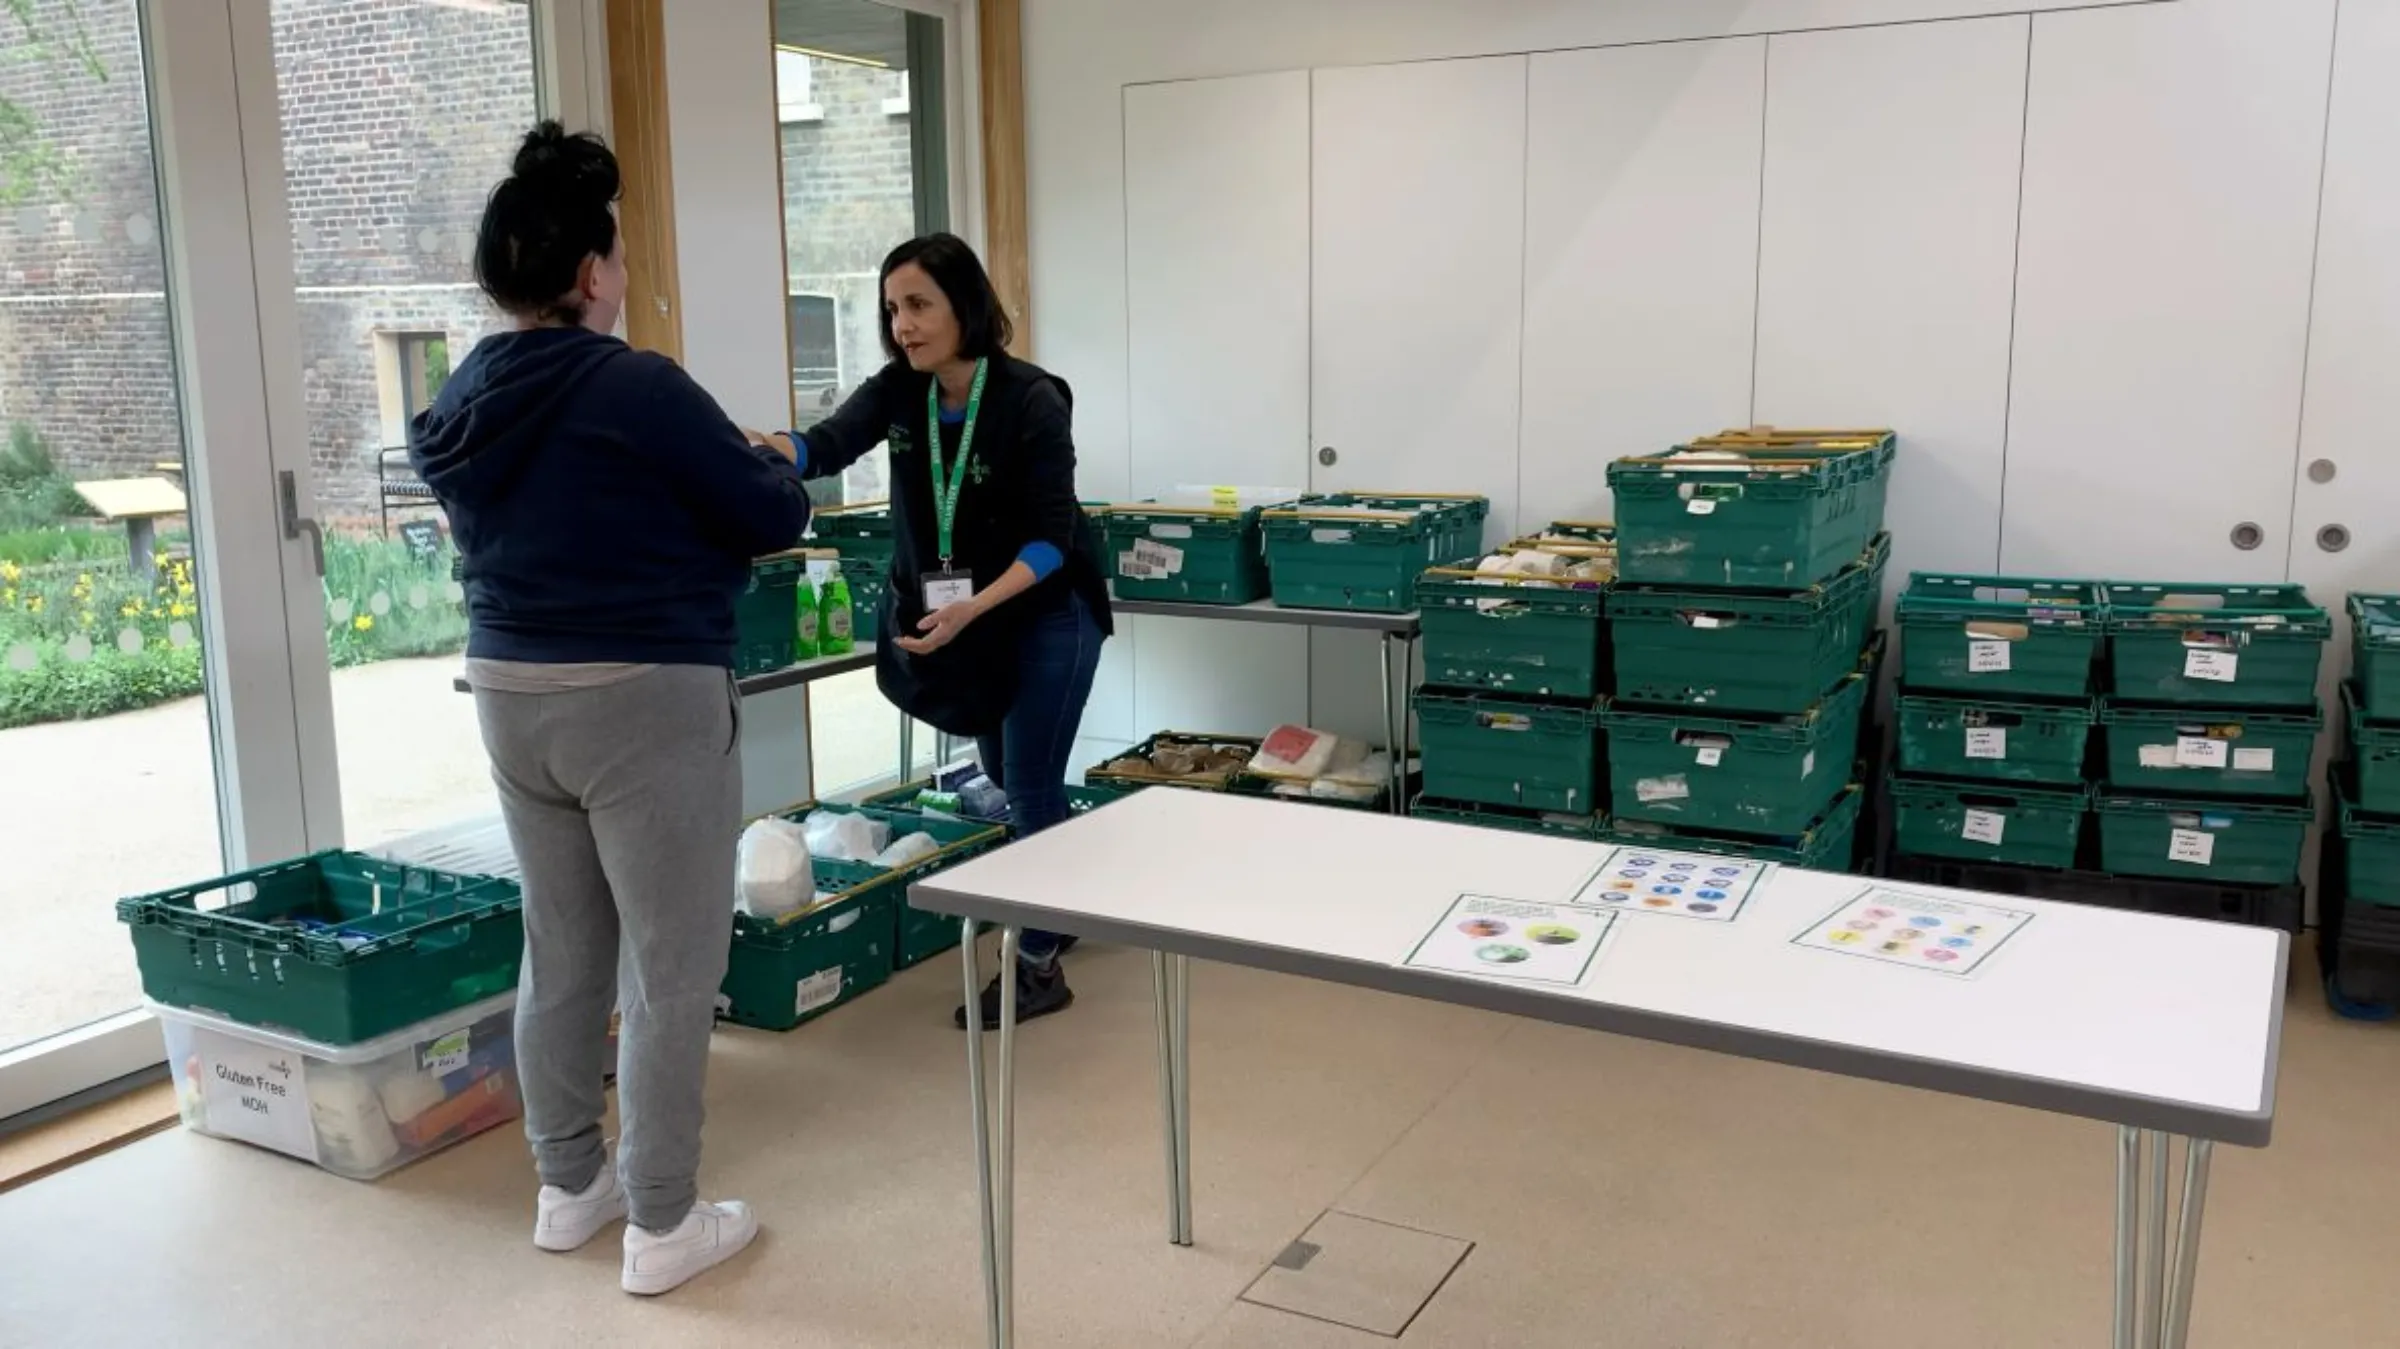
(398, 116)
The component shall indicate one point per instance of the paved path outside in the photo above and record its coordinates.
(94, 810)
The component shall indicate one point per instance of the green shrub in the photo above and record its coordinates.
(58, 689)
(33, 493)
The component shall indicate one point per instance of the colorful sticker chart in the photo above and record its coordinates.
(1509, 939)
(1677, 884)
(1922, 932)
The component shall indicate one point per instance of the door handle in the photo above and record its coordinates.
(295, 524)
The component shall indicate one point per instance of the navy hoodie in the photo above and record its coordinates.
(605, 507)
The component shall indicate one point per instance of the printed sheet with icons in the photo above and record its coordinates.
(1493, 938)
(1678, 884)
(1923, 932)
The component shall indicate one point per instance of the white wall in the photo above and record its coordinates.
(2066, 248)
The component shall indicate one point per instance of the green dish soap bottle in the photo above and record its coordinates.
(833, 631)
(805, 648)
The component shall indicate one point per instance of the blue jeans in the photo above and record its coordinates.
(1027, 757)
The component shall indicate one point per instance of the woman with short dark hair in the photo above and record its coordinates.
(997, 608)
(607, 512)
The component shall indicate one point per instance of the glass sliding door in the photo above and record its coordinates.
(860, 121)
(108, 754)
(397, 117)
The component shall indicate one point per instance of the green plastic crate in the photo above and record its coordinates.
(1986, 738)
(2375, 654)
(2224, 645)
(1581, 531)
(2374, 755)
(2000, 636)
(1740, 774)
(2371, 855)
(2209, 751)
(1365, 553)
(766, 617)
(1510, 637)
(1134, 777)
(863, 530)
(1549, 823)
(918, 935)
(1744, 651)
(1494, 751)
(2017, 823)
(1830, 844)
(2243, 842)
(1193, 554)
(1819, 442)
(1762, 518)
(904, 800)
(336, 947)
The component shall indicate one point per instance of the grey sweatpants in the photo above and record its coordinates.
(624, 805)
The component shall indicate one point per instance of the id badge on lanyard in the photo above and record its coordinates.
(948, 586)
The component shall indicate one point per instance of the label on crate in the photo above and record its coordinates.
(1985, 656)
(2157, 756)
(448, 1054)
(1329, 536)
(1701, 506)
(1711, 756)
(1490, 938)
(1949, 937)
(1984, 826)
(2200, 751)
(1808, 764)
(253, 1092)
(822, 989)
(1133, 568)
(2217, 667)
(1987, 742)
(1650, 791)
(2196, 846)
(1673, 884)
(2254, 761)
(1707, 622)
(1162, 558)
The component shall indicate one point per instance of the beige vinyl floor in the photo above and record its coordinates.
(1616, 1194)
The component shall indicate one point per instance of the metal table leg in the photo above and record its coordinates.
(908, 749)
(2128, 1289)
(1180, 968)
(2177, 1325)
(983, 1138)
(2154, 1235)
(1162, 997)
(1395, 719)
(1006, 1162)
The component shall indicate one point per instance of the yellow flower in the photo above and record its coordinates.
(10, 571)
(84, 618)
(84, 580)
(130, 609)
(33, 605)
(364, 622)
(9, 597)
(178, 610)
(158, 559)
(183, 588)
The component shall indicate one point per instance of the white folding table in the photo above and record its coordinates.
(2167, 1028)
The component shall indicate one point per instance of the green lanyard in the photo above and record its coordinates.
(945, 501)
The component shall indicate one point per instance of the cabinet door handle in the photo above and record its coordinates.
(294, 523)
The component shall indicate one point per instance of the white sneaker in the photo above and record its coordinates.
(711, 1234)
(564, 1221)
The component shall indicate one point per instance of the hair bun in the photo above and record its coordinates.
(552, 160)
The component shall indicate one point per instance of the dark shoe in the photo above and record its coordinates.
(1066, 943)
(1039, 993)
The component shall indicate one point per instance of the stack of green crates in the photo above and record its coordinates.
(1365, 550)
(2208, 729)
(1516, 680)
(789, 970)
(766, 616)
(861, 536)
(1741, 631)
(2359, 910)
(1994, 715)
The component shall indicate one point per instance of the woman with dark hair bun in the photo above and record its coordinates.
(997, 605)
(608, 512)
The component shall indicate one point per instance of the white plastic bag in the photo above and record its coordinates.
(1296, 752)
(907, 852)
(838, 836)
(773, 873)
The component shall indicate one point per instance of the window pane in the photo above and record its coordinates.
(398, 117)
(107, 772)
(856, 170)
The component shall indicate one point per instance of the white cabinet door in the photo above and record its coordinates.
(1641, 252)
(2172, 155)
(1887, 251)
(1418, 281)
(1217, 298)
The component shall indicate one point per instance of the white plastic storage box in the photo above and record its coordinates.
(360, 1110)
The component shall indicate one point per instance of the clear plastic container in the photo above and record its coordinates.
(360, 1111)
